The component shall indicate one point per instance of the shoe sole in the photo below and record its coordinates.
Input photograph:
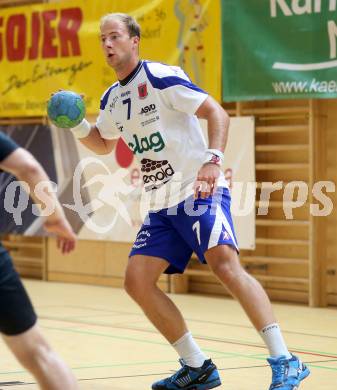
(304, 374)
(205, 386)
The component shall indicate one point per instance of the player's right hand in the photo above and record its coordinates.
(66, 238)
(206, 182)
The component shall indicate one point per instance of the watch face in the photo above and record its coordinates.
(56, 151)
(215, 159)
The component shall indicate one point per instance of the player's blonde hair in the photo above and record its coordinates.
(130, 23)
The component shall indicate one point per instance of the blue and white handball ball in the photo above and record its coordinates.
(66, 109)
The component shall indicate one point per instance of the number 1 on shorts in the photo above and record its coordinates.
(196, 228)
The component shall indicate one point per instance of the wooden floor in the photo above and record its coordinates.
(110, 345)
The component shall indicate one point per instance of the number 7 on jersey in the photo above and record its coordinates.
(128, 102)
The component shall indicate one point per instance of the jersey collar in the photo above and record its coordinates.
(131, 75)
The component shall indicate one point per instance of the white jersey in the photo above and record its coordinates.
(154, 112)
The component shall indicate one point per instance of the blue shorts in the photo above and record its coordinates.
(194, 225)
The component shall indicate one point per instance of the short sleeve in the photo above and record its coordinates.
(185, 97)
(176, 88)
(7, 146)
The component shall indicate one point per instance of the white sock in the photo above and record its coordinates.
(274, 340)
(189, 351)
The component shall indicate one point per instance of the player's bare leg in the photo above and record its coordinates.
(33, 352)
(141, 278)
(224, 262)
(288, 370)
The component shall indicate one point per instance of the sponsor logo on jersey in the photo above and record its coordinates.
(119, 126)
(153, 142)
(149, 121)
(142, 90)
(147, 110)
(113, 104)
(155, 173)
(127, 93)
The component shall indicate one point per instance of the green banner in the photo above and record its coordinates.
(279, 49)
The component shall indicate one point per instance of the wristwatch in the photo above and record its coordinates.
(214, 156)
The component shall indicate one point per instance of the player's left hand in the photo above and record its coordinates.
(206, 182)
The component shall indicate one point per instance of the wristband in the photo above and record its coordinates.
(214, 156)
(82, 130)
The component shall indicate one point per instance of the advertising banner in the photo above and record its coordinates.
(279, 49)
(47, 47)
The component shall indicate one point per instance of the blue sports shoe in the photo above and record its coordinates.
(203, 378)
(287, 373)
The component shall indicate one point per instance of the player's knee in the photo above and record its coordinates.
(128, 284)
(138, 285)
(224, 271)
(133, 283)
(228, 271)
